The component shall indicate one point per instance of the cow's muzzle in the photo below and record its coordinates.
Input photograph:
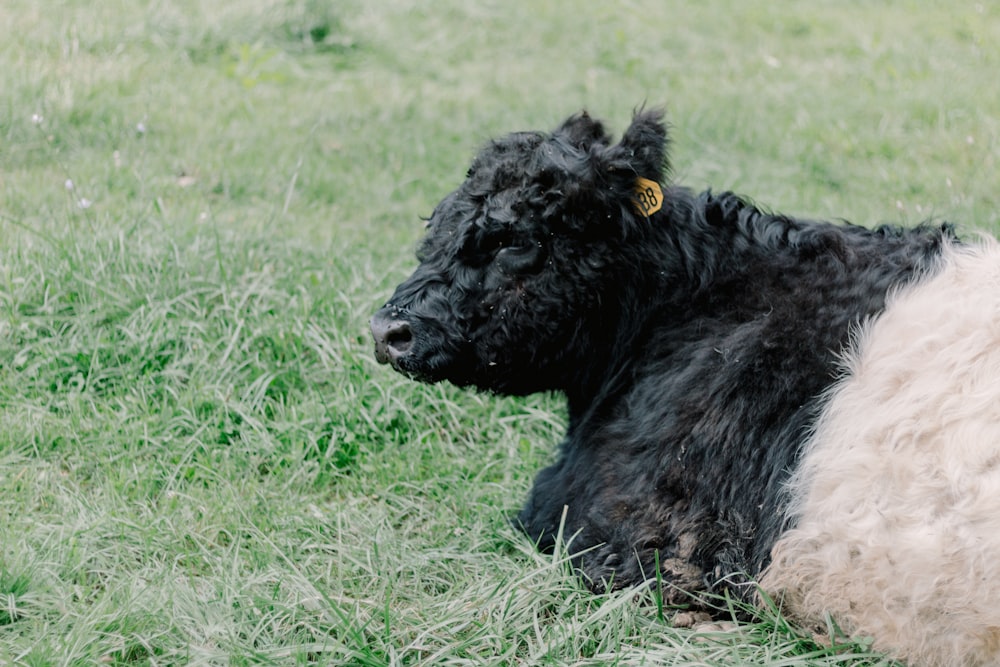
(393, 336)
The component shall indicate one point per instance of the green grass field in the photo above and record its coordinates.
(201, 203)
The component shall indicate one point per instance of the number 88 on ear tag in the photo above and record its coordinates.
(648, 196)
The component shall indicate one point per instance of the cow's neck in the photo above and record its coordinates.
(683, 252)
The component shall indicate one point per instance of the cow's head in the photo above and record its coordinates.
(520, 266)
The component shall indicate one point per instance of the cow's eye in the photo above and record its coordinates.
(521, 259)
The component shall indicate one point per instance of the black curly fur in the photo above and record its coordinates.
(693, 346)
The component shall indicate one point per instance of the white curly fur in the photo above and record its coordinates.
(897, 499)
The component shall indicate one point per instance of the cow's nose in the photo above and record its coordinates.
(393, 338)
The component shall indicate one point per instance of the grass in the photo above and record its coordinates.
(200, 205)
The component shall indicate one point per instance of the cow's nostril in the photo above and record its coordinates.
(400, 337)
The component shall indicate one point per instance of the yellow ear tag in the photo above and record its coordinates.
(648, 196)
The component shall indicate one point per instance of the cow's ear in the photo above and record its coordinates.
(582, 132)
(642, 152)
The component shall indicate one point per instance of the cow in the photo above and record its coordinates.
(758, 405)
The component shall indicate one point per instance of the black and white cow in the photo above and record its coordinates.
(752, 397)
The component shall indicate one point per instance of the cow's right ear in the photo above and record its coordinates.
(643, 148)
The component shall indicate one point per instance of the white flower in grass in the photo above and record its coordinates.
(84, 203)
(68, 184)
(37, 118)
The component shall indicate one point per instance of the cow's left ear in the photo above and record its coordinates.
(642, 152)
(581, 132)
